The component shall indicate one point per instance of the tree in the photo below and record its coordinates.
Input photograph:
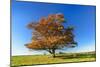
(50, 34)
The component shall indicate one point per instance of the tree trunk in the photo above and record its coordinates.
(54, 55)
(53, 52)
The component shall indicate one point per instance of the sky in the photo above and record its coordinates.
(82, 17)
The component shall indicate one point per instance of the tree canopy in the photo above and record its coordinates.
(50, 34)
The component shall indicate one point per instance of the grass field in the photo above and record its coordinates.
(26, 60)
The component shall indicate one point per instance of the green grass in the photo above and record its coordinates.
(47, 59)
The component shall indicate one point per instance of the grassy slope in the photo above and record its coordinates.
(47, 59)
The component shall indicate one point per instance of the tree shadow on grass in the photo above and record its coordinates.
(75, 56)
(67, 56)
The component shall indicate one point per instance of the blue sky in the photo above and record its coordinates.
(79, 16)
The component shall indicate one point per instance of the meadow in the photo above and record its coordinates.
(28, 60)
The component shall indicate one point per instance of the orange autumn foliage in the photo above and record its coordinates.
(50, 34)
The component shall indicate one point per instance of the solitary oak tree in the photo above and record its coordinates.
(50, 34)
